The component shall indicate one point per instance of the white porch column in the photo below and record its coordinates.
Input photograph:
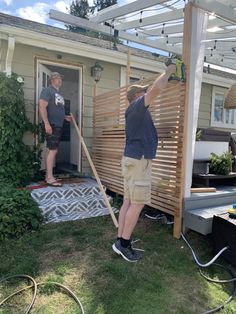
(193, 56)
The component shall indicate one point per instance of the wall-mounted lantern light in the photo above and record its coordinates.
(96, 71)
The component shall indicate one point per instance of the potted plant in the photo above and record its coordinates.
(220, 164)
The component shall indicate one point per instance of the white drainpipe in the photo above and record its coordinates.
(9, 57)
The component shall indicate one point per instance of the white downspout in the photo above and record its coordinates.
(9, 57)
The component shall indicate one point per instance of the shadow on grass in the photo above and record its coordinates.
(79, 255)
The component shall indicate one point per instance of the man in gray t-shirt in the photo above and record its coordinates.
(52, 112)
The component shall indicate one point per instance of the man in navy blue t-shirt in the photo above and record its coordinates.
(140, 149)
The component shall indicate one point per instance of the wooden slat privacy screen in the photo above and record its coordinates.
(168, 112)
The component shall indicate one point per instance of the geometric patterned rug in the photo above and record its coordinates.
(72, 201)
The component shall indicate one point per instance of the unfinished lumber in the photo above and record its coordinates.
(203, 190)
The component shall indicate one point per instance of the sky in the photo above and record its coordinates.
(37, 10)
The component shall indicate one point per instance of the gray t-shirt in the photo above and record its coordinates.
(56, 106)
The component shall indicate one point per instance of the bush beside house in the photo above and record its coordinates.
(18, 212)
(18, 162)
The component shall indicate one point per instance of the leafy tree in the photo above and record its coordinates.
(82, 9)
(102, 4)
(79, 8)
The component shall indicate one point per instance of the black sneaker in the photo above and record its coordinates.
(127, 253)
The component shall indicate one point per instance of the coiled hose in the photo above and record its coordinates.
(212, 262)
(34, 286)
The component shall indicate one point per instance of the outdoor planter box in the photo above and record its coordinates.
(203, 149)
(211, 141)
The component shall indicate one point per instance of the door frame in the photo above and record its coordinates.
(77, 67)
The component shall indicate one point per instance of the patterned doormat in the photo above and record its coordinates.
(72, 201)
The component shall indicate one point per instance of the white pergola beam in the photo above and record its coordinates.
(168, 30)
(152, 20)
(80, 22)
(125, 9)
(165, 18)
(226, 34)
(225, 64)
(220, 45)
(218, 22)
(217, 8)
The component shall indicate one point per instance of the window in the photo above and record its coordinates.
(220, 117)
(133, 80)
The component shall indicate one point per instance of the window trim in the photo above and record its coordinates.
(136, 74)
(217, 90)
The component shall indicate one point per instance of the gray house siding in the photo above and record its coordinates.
(204, 116)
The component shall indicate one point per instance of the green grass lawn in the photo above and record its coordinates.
(79, 255)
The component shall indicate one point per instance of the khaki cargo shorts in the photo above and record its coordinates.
(137, 179)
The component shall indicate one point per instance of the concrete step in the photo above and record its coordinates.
(201, 200)
(67, 191)
(200, 219)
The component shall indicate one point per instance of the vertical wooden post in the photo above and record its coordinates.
(95, 89)
(127, 76)
(128, 68)
(94, 105)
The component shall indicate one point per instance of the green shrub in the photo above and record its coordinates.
(220, 164)
(18, 212)
(18, 162)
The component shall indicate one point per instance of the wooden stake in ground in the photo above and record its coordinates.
(95, 172)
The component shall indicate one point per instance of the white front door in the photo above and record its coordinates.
(44, 75)
(71, 90)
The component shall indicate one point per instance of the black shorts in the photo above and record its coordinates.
(53, 140)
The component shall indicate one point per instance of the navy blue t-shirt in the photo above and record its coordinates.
(141, 134)
(56, 106)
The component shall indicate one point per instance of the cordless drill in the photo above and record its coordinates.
(180, 74)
